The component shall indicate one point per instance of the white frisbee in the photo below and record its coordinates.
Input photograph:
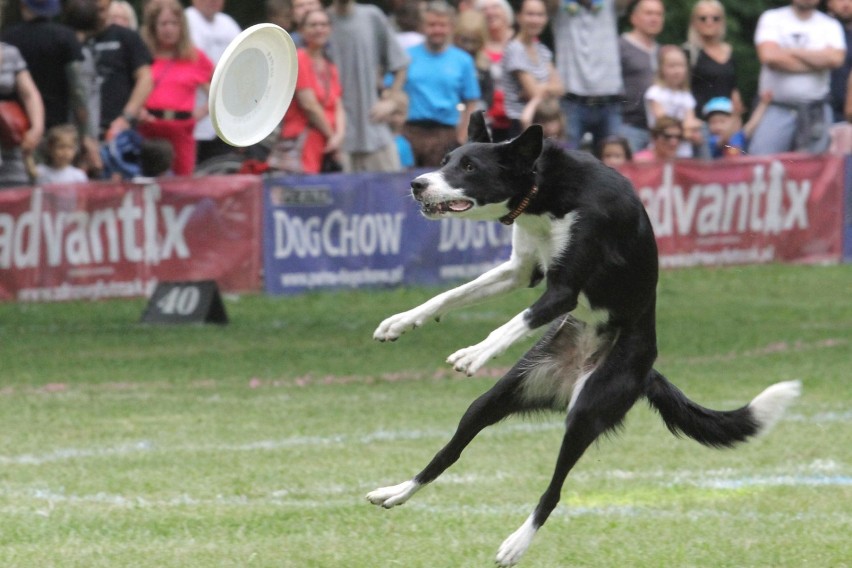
(253, 84)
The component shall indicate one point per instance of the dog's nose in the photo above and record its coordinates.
(418, 186)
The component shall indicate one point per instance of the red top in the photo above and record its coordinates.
(176, 80)
(327, 89)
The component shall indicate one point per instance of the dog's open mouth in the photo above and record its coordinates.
(454, 206)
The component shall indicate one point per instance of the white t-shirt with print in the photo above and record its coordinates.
(783, 27)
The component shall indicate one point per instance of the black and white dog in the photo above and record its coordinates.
(579, 226)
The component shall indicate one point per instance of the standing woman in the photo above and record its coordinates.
(179, 69)
(499, 19)
(315, 123)
(712, 69)
(17, 83)
(529, 75)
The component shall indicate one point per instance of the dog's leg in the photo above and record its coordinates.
(599, 404)
(499, 280)
(470, 359)
(557, 300)
(500, 401)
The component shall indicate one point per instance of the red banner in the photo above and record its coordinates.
(784, 208)
(102, 240)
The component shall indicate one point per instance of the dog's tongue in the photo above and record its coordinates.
(458, 205)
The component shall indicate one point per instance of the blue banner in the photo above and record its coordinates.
(357, 230)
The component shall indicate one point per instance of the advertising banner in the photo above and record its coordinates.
(104, 239)
(339, 231)
(101, 240)
(784, 208)
(847, 213)
(347, 231)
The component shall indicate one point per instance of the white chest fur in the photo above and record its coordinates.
(545, 238)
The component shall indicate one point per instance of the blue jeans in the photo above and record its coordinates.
(782, 129)
(601, 120)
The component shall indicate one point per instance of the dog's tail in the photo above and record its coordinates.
(719, 428)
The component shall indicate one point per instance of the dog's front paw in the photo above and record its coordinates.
(396, 325)
(394, 495)
(514, 547)
(470, 359)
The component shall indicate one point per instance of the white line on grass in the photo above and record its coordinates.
(77, 453)
(379, 436)
(46, 500)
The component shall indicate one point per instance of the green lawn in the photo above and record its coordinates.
(253, 444)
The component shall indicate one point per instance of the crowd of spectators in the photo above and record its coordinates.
(101, 84)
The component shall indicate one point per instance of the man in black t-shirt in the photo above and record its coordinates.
(124, 67)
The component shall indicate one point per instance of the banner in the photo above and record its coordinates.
(105, 239)
(100, 240)
(784, 208)
(339, 231)
(347, 231)
(847, 214)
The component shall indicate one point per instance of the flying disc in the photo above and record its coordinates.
(253, 84)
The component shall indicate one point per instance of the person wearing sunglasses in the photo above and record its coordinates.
(666, 137)
(713, 72)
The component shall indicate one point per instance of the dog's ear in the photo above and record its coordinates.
(477, 130)
(527, 147)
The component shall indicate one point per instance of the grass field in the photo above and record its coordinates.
(253, 444)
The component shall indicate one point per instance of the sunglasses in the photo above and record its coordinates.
(670, 137)
(706, 19)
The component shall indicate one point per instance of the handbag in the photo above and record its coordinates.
(330, 164)
(14, 123)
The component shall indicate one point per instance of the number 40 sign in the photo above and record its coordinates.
(185, 302)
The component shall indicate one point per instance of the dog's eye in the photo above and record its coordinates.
(468, 166)
(445, 160)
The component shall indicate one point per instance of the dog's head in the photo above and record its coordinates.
(481, 179)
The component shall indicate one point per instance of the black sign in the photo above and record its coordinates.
(185, 302)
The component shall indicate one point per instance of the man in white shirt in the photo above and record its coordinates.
(798, 47)
(211, 31)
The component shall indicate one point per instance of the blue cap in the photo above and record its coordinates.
(718, 104)
(43, 8)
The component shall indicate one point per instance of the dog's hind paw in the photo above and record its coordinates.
(388, 497)
(514, 547)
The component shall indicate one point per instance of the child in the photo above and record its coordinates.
(63, 143)
(548, 114)
(670, 94)
(397, 121)
(614, 151)
(725, 138)
(156, 158)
